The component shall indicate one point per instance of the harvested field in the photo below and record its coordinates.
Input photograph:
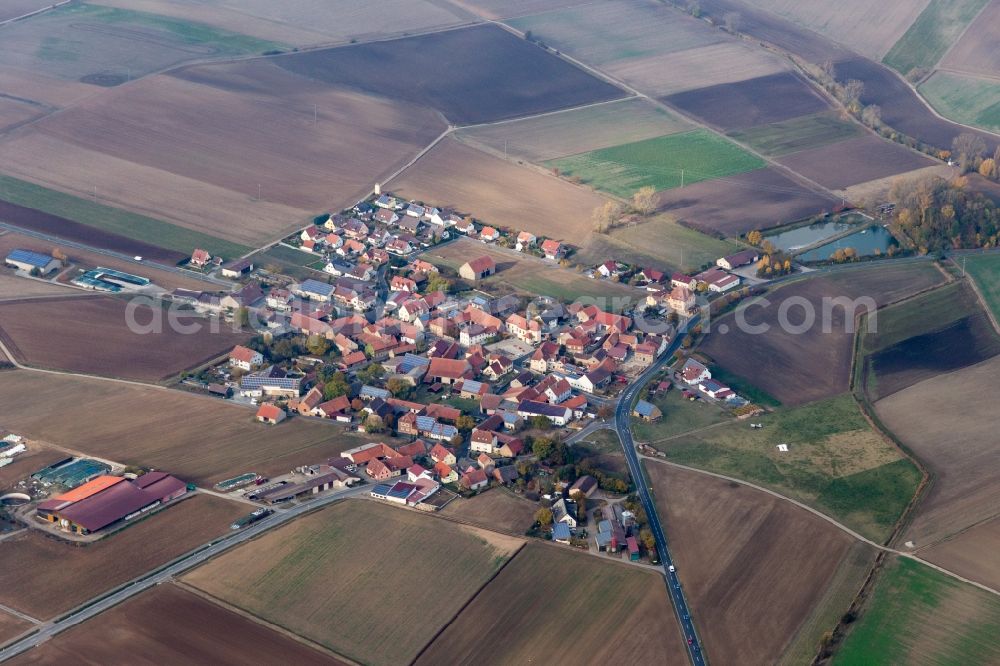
(902, 108)
(106, 46)
(506, 623)
(495, 510)
(308, 22)
(150, 625)
(937, 332)
(790, 136)
(720, 531)
(952, 431)
(966, 99)
(499, 193)
(835, 463)
(575, 131)
(12, 286)
(975, 52)
(916, 615)
(501, 9)
(649, 46)
(188, 148)
(47, 576)
(605, 33)
(798, 367)
(658, 241)
(758, 101)
(868, 29)
(201, 439)
(472, 75)
(759, 199)
(930, 36)
(984, 270)
(716, 64)
(971, 553)
(13, 9)
(879, 189)
(14, 112)
(532, 275)
(283, 577)
(11, 626)
(164, 278)
(100, 341)
(855, 161)
(662, 163)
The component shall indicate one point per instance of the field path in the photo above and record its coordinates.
(15, 613)
(828, 519)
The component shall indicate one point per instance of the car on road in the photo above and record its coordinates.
(671, 569)
(690, 641)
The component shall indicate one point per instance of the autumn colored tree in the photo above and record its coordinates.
(543, 517)
(644, 200)
(604, 217)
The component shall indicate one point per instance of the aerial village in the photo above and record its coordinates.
(476, 390)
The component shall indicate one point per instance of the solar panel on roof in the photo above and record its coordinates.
(28, 257)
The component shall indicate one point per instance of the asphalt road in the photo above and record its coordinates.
(624, 427)
(220, 545)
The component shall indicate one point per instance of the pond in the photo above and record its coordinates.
(864, 242)
(799, 237)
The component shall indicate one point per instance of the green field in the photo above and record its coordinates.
(555, 135)
(115, 220)
(967, 99)
(369, 581)
(917, 615)
(679, 416)
(835, 462)
(659, 242)
(791, 136)
(935, 30)
(985, 270)
(663, 162)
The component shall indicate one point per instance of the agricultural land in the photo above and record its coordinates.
(866, 28)
(309, 22)
(953, 434)
(985, 272)
(200, 439)
(722, 530)
(575, 131)
(801, 133)
(927, 40)
(11, 626)
(759, 199)
(970, 553)
(48, 576)
(975, 52)
(505, 623)
(187, 148)
(13, 9)
(835, 462)
(497, 510)
(102, 342)
(453, 174)
(663, 163)
(967, 99)
(799, 367)
(934, 333)
(168, 624)
(473, 75)
(919, 616)
(859, 160)
(284, 577)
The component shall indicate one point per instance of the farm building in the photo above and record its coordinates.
(28, 261)
(107, 500)
(314, 290)
(478, 268)
(559, 415)
(585, 485)
(561, 533)
(742, 258)
(269, 413)
(647, 411)
(236, 268)
(245, 358)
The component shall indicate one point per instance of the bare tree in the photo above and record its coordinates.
(694, 8)
(604, 217)
(967, 147)
(871, 115)
(852, 90)
(644, 200)
(829, 70)
(732, 21)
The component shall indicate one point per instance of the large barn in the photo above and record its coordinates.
(106, 500)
